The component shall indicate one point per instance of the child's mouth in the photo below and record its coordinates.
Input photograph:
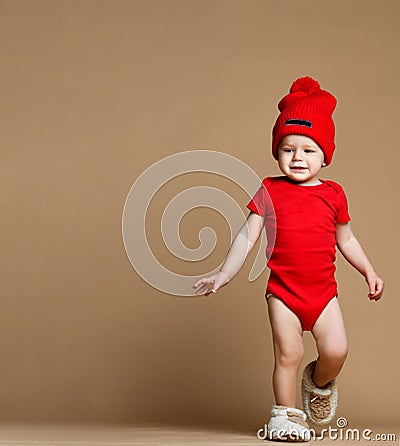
(298, 168)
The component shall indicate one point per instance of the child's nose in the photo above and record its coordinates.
(297, 156)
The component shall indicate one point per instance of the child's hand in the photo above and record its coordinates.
(211, 284)
(376, 286)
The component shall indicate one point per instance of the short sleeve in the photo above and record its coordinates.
(258, 203)
(343, 211)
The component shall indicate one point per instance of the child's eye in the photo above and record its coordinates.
(309, 151)
(287, 149)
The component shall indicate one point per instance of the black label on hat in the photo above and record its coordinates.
(298, 122)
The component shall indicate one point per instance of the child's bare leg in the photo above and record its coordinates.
(288, 349)
(330, 335)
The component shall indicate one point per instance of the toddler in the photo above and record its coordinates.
(305, 218)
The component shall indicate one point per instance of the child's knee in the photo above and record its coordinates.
(335, 353)
(290, 356)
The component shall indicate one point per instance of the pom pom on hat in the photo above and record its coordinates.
(305, 84)
(306, 110)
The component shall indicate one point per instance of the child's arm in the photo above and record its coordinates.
(352, 251)
(242, 244)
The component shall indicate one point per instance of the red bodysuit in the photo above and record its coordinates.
(301, 220)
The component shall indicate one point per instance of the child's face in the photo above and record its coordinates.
(300, 159)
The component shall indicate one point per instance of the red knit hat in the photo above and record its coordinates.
(306, 110)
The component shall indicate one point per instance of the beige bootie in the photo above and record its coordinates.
(287, 423)
(319, 404)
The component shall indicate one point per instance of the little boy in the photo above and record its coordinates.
(305, 219)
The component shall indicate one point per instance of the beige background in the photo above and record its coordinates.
(95, 92)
